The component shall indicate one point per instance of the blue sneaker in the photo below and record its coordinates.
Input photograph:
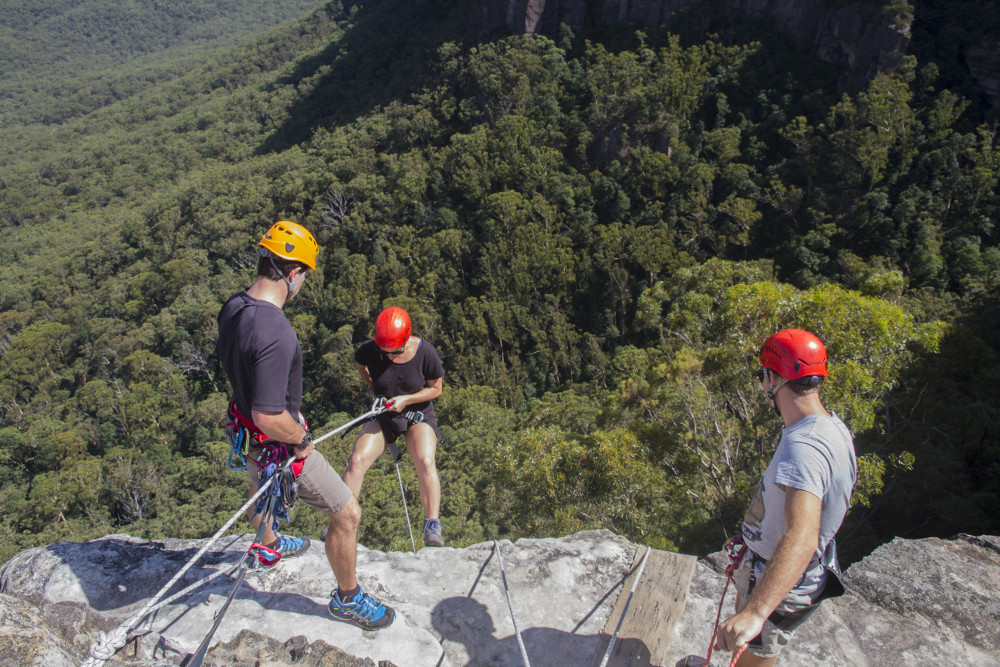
(363, 611)
(432, 533)
(288, 547)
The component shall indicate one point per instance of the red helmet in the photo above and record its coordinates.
(794, 354)
(392, 328)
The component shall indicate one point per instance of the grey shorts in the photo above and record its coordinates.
(319, 484)
(783, 621)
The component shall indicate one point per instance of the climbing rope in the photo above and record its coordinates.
(735, 549)
(406, 512)
(107, 644)
(270, 559)
(506, 590)
(628, 601)
(378, 407)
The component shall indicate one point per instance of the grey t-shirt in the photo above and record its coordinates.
(261, 356)
(815, 454)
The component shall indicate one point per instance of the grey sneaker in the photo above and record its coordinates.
(432, 533)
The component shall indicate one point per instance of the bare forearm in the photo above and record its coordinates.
(787, 563)
(784, 569)
(424, 395)
(280, 426)
(431, 391)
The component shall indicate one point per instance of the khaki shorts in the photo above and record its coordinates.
(319, 484)
(783, 621)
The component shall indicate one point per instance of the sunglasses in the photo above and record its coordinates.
(393, 353)
(760, 375)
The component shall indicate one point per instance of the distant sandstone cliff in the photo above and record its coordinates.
(983, 60)
(860, 36)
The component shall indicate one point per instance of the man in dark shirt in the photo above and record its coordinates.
(262, 358)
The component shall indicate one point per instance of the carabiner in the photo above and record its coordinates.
(266, 556)
(243, 460)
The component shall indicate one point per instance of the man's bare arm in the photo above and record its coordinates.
(791, 558)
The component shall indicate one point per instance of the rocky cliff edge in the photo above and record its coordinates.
(922, 602)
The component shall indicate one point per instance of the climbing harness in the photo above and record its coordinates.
(239, 434)
(506, 590)
(107, 644)
(240, 441)
(241, 431)
(265, 556)
(736, 549)
(414, 417)
(278, 462)
(628, 601)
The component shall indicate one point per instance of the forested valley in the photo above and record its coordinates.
(597, 231)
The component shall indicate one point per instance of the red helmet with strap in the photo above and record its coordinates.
(392, 328)
(794, 354)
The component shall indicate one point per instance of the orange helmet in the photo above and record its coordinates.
(290, 240)
(794, 354)
(392, 328)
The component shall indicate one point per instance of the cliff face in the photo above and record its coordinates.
(983, 60)
(921, 602)
(858, 36)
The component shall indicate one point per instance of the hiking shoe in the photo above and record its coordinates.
(288, 547)
(432, 533)
(363, 611)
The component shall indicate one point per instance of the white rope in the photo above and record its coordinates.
(635, 582)
(378, 407)
(517, 632)
(409, 526)
(107, 644)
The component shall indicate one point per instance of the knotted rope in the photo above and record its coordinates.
(107, 644)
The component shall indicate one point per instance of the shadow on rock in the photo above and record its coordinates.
(468, 622)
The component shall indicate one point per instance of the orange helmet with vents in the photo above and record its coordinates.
(392, 328)
(794, 354)
(290, 240)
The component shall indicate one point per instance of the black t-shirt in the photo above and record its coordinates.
(261, 356)
(390, 379)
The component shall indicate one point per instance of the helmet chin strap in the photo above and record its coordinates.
(772, 394)
(290, 284)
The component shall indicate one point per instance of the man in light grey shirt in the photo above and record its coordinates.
(790, 565)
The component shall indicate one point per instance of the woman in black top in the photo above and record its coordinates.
(407, 371)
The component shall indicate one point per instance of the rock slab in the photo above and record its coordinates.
(914, 602)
